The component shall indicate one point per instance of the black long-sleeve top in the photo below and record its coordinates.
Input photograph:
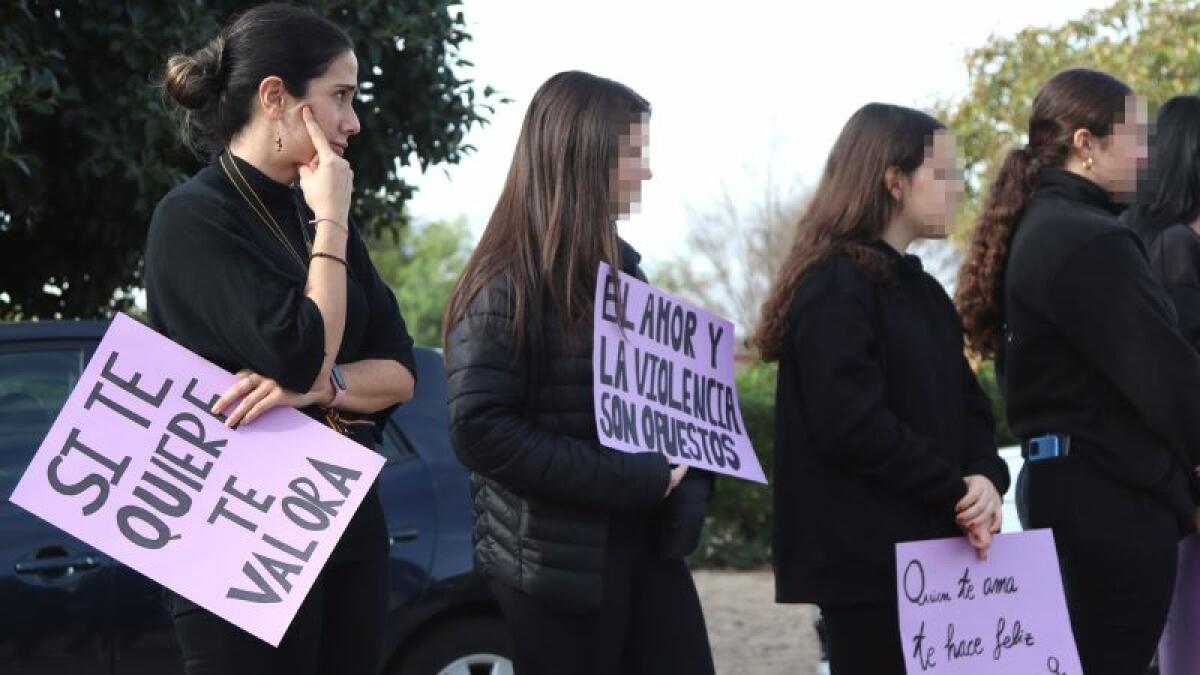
(1175, 262)
(221, 284)
(1092, 348)
(878, 419)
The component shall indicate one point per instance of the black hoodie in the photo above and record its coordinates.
(1091, 345)
(878, 419)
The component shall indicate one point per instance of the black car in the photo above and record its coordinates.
(67, 608)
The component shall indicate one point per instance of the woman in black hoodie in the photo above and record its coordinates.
(1100, 387)
(883, 434)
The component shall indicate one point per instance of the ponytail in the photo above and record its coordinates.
(1074, 99)
(980, 294)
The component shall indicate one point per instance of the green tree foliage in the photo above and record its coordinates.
(421, 271)
(1152, 45)
(88, 143)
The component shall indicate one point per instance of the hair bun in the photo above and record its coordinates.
(194, 80)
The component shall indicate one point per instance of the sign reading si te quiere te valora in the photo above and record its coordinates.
(964, 616)
(238, 521)
(664, 379)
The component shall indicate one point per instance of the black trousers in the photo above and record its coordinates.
(863, 639)
(338, 629)
(1117, 548)
(651, 623)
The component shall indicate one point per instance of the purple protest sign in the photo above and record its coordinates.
(1179, 649)
(1003, 615)
(238, 521)
(664, 379)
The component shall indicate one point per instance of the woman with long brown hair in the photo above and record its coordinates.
(882, 433)
(567, 529)
(1167, 212)
(1099, 386)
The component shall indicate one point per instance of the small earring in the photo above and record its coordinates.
(278, 143)
(1089, 163)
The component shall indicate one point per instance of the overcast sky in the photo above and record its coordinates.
(739, 89)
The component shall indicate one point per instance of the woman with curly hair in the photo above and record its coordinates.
(1100, 387)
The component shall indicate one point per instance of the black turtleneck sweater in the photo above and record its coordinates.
(878, 419)
(1091, 346)
(220, 283)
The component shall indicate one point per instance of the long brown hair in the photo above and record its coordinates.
(1071, 100)
(849, 208)
(555, 220)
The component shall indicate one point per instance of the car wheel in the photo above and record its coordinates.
(477, 645)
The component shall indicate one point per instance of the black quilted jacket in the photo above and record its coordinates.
(544, 488)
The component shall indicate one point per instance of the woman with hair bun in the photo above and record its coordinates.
(254, 264)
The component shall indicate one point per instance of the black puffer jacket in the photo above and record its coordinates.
(544, 488)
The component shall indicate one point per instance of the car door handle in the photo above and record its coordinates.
(63, 564)
(403, 536)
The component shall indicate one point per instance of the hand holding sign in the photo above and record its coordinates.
(239, 522)
(256, 394)
(677, 474)
(664, 379)
(965, 616)
(980, 513)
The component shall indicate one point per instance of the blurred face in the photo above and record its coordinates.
(1118, 158)
(633, 167)
(931, 194)
(331, 97)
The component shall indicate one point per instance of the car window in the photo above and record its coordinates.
(426, 417)
(394, 445)
(34, 384)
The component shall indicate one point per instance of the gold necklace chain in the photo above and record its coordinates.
(260, 209)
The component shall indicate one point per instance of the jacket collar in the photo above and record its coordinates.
(1076, 188)
(906, 263)
(630, 258)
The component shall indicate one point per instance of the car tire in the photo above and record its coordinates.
(474, 645)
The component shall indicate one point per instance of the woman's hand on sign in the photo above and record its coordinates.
(257, 395)
(980, 506)
(677, 474)
(980, 539)
(980, 513)
(327, 180)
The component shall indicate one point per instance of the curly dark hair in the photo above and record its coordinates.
(1074, 99)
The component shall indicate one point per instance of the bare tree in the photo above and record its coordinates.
(734, 250)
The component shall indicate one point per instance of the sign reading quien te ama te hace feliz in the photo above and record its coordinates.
(960, 615)
(664, 379)
(238, 521)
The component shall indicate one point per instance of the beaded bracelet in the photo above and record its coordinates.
(318, 254)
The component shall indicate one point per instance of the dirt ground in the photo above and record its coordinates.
(750, 634)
